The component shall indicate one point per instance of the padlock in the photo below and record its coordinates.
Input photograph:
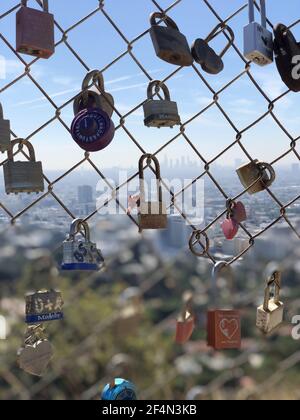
(236, 214)
(287, 53)
(4, 132)
(169, 43)
(186, 322)
(210, 61)
(256, 176)
(270, 314)
(119, 389)
(223, 326)
(91, 99)
(44, 306)
(23, 177)
(258, 40)
(92, 128)
(79, 253)
(35, 31)
(160, 113)
(152, 215)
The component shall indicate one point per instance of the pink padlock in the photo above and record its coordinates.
(239, 212)
(230, 228)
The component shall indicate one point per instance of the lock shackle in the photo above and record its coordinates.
(77, 226)
(263, 12)
(150, 158)
(158, 85)
(44, 2)
(217, 268)
(168, 21)
(274, 280)
(97, 77)
(1, 112)
(263, 167)
(219, 29)
(21, 142)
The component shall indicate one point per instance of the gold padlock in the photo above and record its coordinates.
(152, 215)
(270, 314)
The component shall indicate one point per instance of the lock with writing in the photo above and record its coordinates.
(223, 326)
(79, 253)
(287, 56)
(119, 389)
(162, 112)
(153, 214)
(4, 132)
(258, 40)
(44, 306)
(169, 43)
(92, 128)
(210, 61)
(270, 314)
(23, 177)
(35, 31)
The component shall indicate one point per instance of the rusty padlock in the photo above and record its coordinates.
(23, 177)
(152, 215)
(4, 132)
(160, 113)
(186, 322)
(35, 31)
(223, 326)
(270, 314)
(210, 61)
(169, 43)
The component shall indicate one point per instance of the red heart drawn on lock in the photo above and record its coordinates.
(239, 212)
(229, 327)
(230, 228)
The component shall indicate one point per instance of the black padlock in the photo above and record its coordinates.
(169, 43)
(210, 61)
(287, 55)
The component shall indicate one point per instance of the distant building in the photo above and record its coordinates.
(85, 194)
(177, 234)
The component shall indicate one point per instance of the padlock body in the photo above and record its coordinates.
(44, 307)
(23, 177)
(4, 135)
(153, 215)
(224, 329)
(171, 46)
(267, 322)
(161, 113)
(258, 44)
(81, 256)
(35, 32)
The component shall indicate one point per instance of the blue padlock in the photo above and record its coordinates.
(119, 389)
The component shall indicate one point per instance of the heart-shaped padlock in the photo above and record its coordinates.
(35, 358)
(92, 129)
(239, 212)
(230, 228)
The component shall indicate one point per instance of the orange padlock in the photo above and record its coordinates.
(187, 320)
(35, 31)
(223, 326)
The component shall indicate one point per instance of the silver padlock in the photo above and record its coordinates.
(23, 177)
(79, 253)
(4, 132)
(258, 40)
(160, 113)
(270, 314)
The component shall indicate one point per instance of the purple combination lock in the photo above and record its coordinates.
(92, 127)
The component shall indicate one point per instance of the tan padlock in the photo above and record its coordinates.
(256, 176)
(23, 177)
(152, 215)
(186, 322)
(270, 314)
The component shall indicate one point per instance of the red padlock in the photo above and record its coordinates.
(223, 326)
(187, 320)
(35, 31)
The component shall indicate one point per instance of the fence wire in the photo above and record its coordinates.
(130, 44)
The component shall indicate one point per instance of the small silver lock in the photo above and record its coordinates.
(160, 113)
(258, 40)
(23, 177)
(79, 253)
(270, 314)
(4, 132)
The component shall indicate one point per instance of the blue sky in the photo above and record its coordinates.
(98, 43)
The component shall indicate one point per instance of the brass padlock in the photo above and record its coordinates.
(169, 43)
(4, 132)
(160, 113)
(270, 314)
(152, 215)
(44, 306)
(23, 177)
(35, 31)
